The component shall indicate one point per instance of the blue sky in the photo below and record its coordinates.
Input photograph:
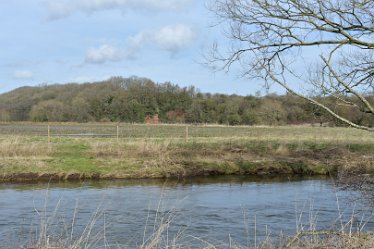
(60, 41)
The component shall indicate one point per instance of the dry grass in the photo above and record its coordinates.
(160, 237)
(158, 233)
(157, 241)
(20, 147)
(162, 150)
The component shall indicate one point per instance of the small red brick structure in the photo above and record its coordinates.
(152, 120)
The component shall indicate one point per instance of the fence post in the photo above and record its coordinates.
(117, 133)
(186, 133)
(49, 134)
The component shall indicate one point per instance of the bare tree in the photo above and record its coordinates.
(269, 37)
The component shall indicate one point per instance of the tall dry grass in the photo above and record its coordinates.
(20, 146)
(346, 234)
(161, 239)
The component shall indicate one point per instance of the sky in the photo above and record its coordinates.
(62, 41)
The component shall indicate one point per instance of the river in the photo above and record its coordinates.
(195, 211)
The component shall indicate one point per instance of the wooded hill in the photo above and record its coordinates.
(133, 99)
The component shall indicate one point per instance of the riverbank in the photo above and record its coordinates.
(307, 240)
(260, 151)
(313, 240)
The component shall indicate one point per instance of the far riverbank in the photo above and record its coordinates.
(166, 152)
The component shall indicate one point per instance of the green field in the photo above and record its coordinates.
(76, 151)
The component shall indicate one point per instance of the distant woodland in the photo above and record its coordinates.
(133, 99)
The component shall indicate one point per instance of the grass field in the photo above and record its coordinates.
(303, 133)
(95, 150)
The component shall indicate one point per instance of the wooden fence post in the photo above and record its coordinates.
(117, 133)
(186, 133)
(49, 134)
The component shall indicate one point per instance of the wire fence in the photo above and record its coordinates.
(121, 130)
(182, 131)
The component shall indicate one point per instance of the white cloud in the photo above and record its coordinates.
(63, 8)
(23, 74)
(106, 53)
(139, 39)
(172, 38)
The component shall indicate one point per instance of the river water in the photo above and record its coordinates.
(196, 211)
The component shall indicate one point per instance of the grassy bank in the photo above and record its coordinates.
(142, 151)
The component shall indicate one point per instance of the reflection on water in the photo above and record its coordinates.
(211, 209)
(162, 182)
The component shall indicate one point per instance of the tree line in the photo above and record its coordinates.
(132, 99)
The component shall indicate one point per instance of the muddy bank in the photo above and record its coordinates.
(193, 168)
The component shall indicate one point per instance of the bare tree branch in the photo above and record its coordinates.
(266, 35)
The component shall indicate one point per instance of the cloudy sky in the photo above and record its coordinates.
(59, 41)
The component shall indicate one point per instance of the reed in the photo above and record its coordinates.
(21, 146)
(157, 234)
